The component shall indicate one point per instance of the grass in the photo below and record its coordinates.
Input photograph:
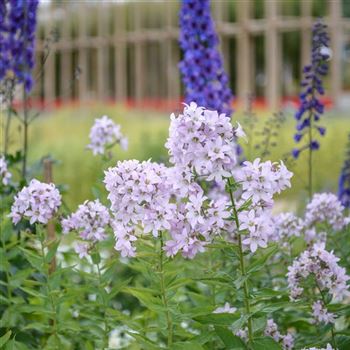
(63, 134)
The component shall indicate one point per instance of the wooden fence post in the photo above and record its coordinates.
(49, 68)
(66, 59)
(336, 34)
(244, 51)
(120, 79)
(139, 58)
(272, 56)
(83, 53)
(102, 52)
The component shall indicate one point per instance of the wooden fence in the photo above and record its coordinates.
(129, 50)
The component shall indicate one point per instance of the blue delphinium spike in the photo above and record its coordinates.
(17, 40)
(203, 75)
(311, 107)
(344, 179)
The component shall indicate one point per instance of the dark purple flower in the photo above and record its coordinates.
(202, 70)
(298, 137)
(295, 153)
(311, 107)
(314, 145)
(344, 179)
(17, 40)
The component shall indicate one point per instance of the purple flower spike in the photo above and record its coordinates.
(311, 107)
(202, 69)
(17, 40)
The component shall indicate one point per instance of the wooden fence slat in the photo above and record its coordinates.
(245, 68)
(49, 68)
(272, 56)
(83, 54)
(102, 52)
(336, 45)
(66, 57)
(134, 79)
(120, 79)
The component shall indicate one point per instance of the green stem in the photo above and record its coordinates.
(163, 293)
(25, 131)
(48, 288)
(310, 160)
(105, 305)
(242, 266)
(8, 119)
(334, 343)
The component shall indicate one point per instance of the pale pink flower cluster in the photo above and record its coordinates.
(286, 225)
(82, 249)
(105, 133)
(38, 202)
(243, 334)
(258, 224)
(323, 265)
(203, 142)
(145, 197)
(5, 175)
(149, 198)
(259, 182)
(271, 330)
(90, 221)
(325, 208)
(321, 314)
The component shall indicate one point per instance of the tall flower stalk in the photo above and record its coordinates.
(163, 293)
(311, 107)
(203, 74)
(17, 49)
(344, 179)
(241, 263)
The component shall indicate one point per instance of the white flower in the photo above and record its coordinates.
(226, 309)
(5, 175)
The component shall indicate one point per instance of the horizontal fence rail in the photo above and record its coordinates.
(123, 51)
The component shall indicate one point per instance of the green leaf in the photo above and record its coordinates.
(258, 264)
(96, 259)
(187, 346)
(230, 340)
(144, 295)
(217, 319)
(265, 343)
(343, 342)
(148, 344)
(34, 293)
(118, 287)
(33, 259)
(4, 339)
(52, 251)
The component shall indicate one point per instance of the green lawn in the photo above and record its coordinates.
(64, 134)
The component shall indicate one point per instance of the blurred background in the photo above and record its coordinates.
(120, 58)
